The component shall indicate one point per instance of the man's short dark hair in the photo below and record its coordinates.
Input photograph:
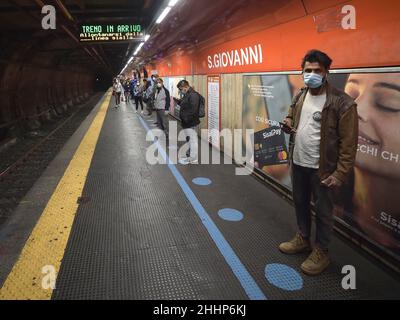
(317, 56)
(183, 83)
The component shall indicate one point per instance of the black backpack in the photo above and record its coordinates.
(202, 106)
(168, 99)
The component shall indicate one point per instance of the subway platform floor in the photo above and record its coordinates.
(102, 223)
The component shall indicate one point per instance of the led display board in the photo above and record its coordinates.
(110, 32)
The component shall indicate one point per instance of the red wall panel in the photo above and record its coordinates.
(374, 42)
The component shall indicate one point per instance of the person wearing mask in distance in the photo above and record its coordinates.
(323, 124)
(133, 83)
(127, 89)
(161, 103)
(154, 78)
(117, 89)
(137, 92)
(189, 115)
(149, 94)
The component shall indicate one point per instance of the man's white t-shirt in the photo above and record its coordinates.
(308, 136)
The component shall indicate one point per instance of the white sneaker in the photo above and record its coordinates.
(193, 161)
(184, 161)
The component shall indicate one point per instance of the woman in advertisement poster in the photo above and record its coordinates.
(375, 203)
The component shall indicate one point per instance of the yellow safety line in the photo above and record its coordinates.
(33, 275)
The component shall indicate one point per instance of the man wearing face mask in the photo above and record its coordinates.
(323, 124)
(189, 114)
(150, 94)
(161, 104)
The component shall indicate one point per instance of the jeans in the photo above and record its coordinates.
(192, 138)
(162, 120)
(149, 107)
(137, 101)
(127, 96)
(117, 98)
(306, 182)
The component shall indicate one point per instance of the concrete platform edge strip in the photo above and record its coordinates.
(33, 277)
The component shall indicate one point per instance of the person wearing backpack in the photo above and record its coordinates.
(192, 107)
(161, 104)
(147, 96)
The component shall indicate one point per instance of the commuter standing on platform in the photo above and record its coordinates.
(148, 96)
(323, 124)
(121, 81)
(146, 85)
(137, 93)
(127, 89)
(189, 115)
(117, 90)
(161, 104)
(153, 92)
(132, 86)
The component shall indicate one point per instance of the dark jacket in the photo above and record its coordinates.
(149, 95)
(189, 112)
(339, 132)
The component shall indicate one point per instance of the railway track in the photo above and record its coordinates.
(28, 163)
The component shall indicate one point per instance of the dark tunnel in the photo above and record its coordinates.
(46, 73)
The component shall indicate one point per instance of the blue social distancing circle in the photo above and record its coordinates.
(283, 277)
(202, 181)
(230, 214)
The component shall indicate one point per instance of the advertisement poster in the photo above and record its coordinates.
(269, 147)
(370, 201)
(213, 109)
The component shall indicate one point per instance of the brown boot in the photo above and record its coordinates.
(297, 245)
(317, 262)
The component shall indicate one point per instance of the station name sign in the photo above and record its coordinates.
(110, 32)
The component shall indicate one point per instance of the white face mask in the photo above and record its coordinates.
(313, 80)
(159, 85)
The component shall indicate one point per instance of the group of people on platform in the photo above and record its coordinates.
(157, 98)
(127, 89)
